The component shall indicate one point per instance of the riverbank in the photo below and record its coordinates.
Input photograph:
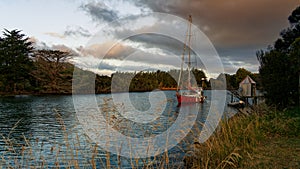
(266, 138)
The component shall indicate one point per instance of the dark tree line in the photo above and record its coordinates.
(147, 81)
(280, 65)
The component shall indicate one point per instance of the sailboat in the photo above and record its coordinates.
(189, 94)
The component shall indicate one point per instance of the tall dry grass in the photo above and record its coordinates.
(235, 142)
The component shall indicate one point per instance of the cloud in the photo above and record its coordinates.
(56, 35)
(39, 45)
(156, 48)
(237, 28)
(162, 45)
(99, 11)
(65, 48)
(231, 65)
(106, 49)
(141, 45)
(125, 51)
(76, 31)
(71, 31)
(147, 48)
(140, 50)
(33, 39)
(232, 22)
(160, 42)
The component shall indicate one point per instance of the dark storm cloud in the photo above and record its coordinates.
(99, 11)
(232, 22)
(246, 54)
(237, 28)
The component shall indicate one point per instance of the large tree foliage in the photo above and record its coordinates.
(279, 66)
(53, 74)
(241, 74)
(15, 61)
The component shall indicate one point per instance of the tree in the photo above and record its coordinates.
(294, 18)
(241, 73)
(231, 82)
(53, 74)
(295, 58)
(199, 77)
(2, 75)
(15, 61)
(279, 66)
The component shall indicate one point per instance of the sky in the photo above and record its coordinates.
(106, 36)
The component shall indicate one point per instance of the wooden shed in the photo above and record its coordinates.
(247, 87)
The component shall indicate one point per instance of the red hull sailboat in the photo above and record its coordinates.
(191, 94)
(190, 99)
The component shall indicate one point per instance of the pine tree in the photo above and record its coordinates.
(15, 61)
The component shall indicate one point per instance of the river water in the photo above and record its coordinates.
(49, 131)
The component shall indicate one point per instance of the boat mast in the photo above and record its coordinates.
(187, 43)
(189, 48)
(182, 59)
(181, 69)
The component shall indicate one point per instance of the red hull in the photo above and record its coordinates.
(189, 99)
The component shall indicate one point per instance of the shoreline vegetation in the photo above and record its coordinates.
(265, 138)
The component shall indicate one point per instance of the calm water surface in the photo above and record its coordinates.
(45, 131)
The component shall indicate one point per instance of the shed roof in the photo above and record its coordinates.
(247, 80)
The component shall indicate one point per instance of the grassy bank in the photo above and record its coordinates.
(266, 138)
